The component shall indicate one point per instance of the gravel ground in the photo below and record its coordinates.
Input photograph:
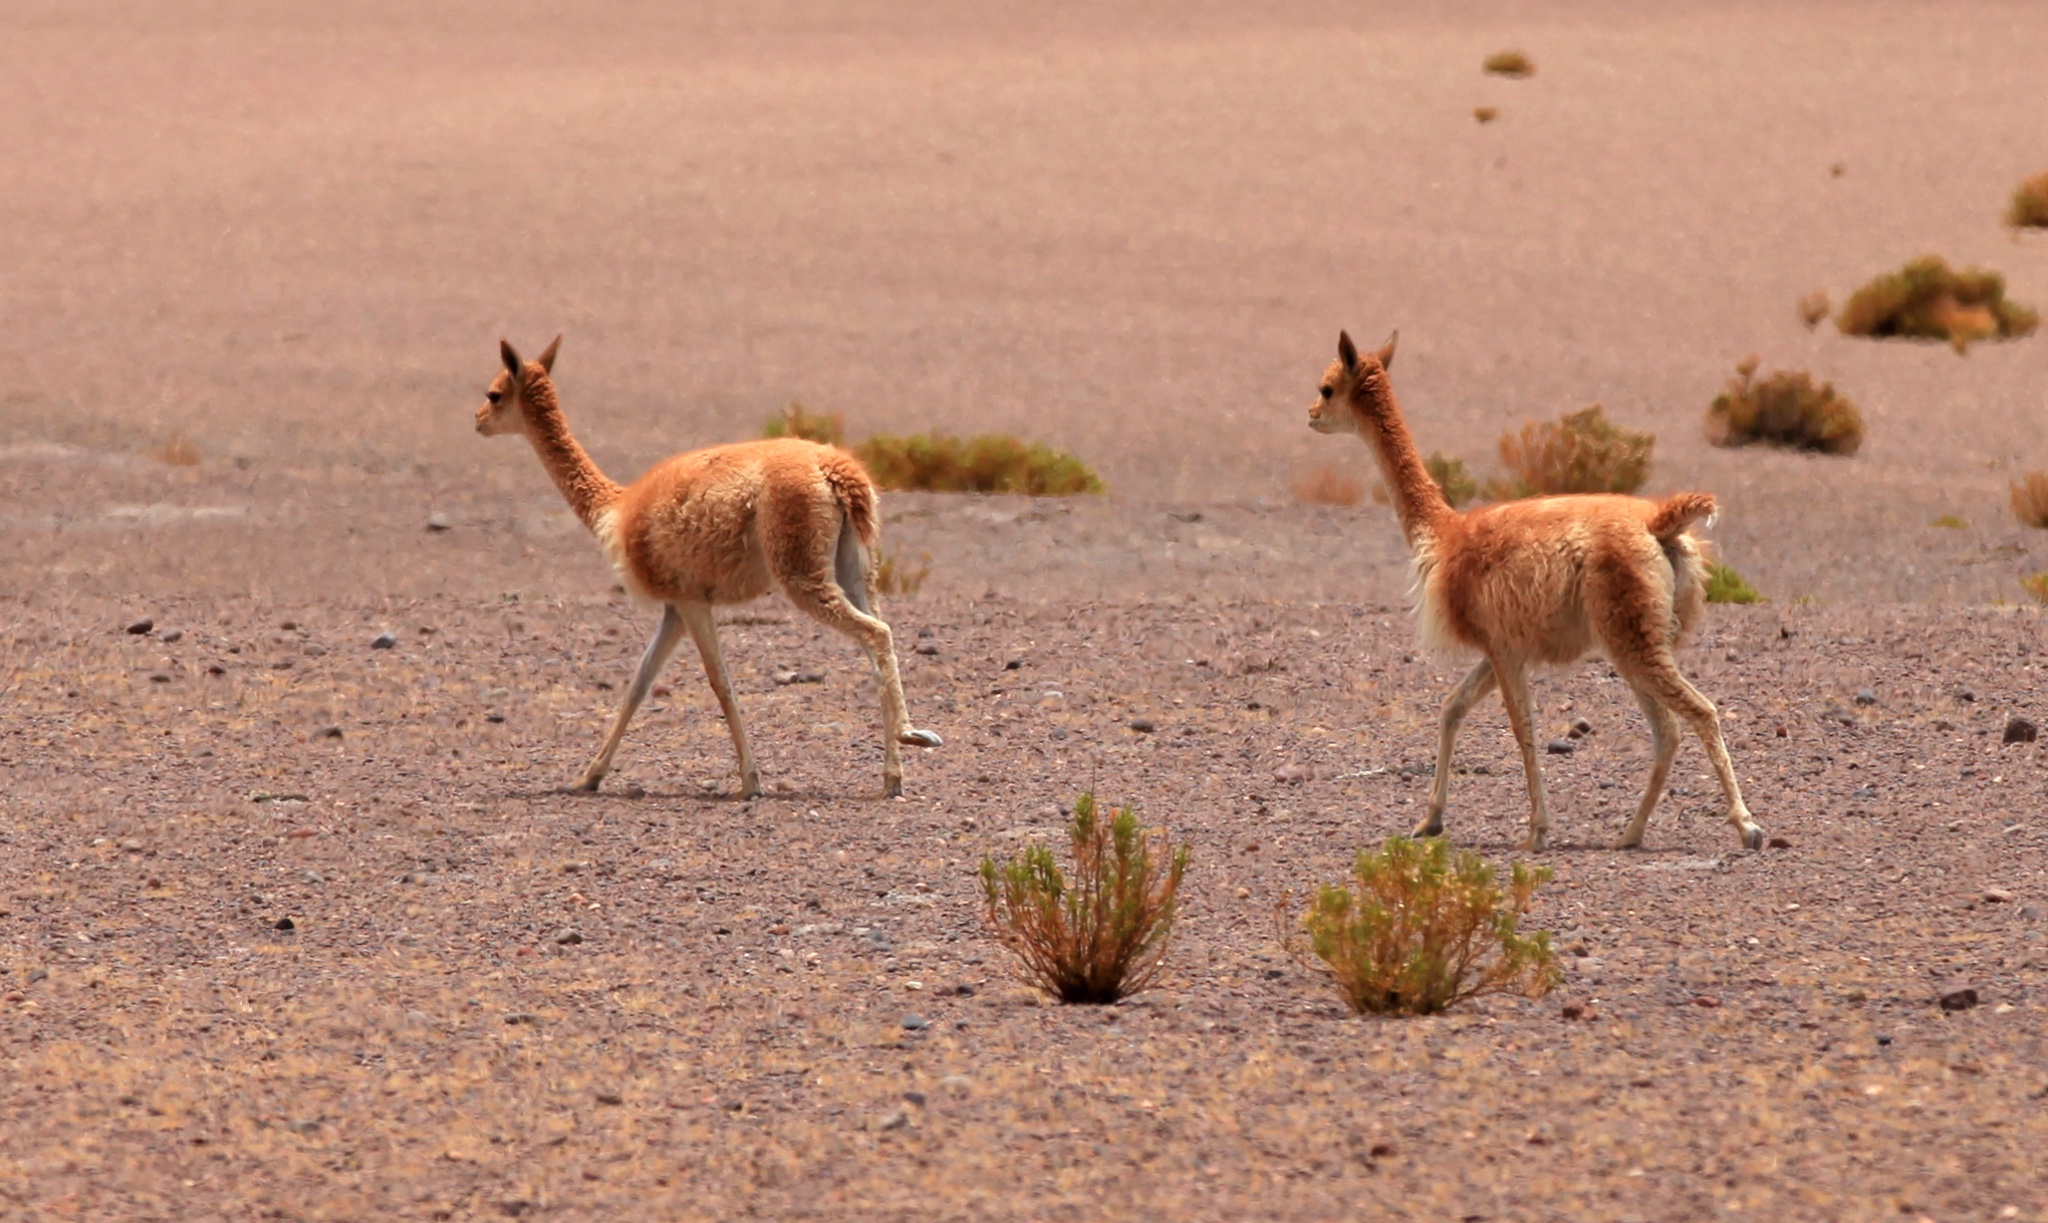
(293, 926)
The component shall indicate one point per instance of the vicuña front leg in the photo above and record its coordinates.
(704, 630)
(664, 644)
(1470, 691)
(1514, 692)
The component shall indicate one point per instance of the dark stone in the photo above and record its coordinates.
(141, 626)
(173, 637)
(786, 678)
(1959, 999)
(285, 924)
(329, 732)
(568, 938)
(1560, 747)
(2019, 730)
(1143, 726)
(1780, 843)
(1866, 696)
(609, 1097)
(384, 641)
(929, 649)
(914, 1023)
(495, 719)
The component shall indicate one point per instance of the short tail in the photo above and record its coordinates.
(855, 493)
(1679, 512)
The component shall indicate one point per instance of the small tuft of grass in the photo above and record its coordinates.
(179, 451)
(896, 576)
(990, 463)
(1328, 484)
(2029, 207)
(1103, 934)
(1486, 114)
(1510, 63)
(1784, 409)
(1814, 307)
(1427, 928)
(1583, 452)
(2036, 585)
(2030, 499)
(1950, 521)
(1929, 300)
(1724, 585)
(797, 421)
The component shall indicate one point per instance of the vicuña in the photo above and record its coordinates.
(715, 526)
(1543, 580)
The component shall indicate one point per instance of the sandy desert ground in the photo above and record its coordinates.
(256, 259)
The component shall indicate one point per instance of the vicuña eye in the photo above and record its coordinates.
(1326, 392)
(495, 396)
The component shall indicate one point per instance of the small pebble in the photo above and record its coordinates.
(929, 649)
(439, 522)
(915, 1023)
(1997, 896)
(607, 1096)
(141, 626)
(1780, 843)
(1959, 999)
(1866, 696)
(171, 637)
(384, 641)
(799, 677)
(1143, 726)
(568, 938)
(896, 1120)
(2019, 730)
(495, 719)
(1293, 774)
(1560, 747)
(285, 924)
(329, 732)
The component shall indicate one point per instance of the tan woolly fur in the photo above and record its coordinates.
(1536, 581)
(720, 525)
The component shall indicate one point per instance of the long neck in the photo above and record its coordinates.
(587, 490)
(1417, 499)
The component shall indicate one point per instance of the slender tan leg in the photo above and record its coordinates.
(664, 644)
(1692, 705)
(704, 631)
(1470, 691)
(1664, 745)
(1514, 692)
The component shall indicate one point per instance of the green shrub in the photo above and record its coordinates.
(1427, 928)
(1927, 299)
(1724, 585)
(1785, 409)
(1102, 935)
(991, 463)
(2029, 203)
(795, 421)
(896, 576)
(2030, 498)
(1510, 63)
(2037, 586)
(1582, 453)
(1450, 475)
(1950, 521)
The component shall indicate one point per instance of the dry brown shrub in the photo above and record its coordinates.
(990, 463)
(1510, 63)
(2030, 499)
(1328, 484)
(1584, 452)
(1427, 928)
(896, 576)
(797, 421)
(1784, 409)
(1929, 300)
(1814, 307)
(2036, 584)
(1101, 935)
(179, 451)
(2029, 203)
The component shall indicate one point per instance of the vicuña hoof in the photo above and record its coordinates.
(920, 738)
(1538, 840)
(892, 787)
(588, 785)
(1752, 837)
(1429, 828)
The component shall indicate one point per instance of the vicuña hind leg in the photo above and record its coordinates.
(1514, 692)
(1663, 746)
(704, 631)
(664, 644)
(1470, 691)
(1664, 682)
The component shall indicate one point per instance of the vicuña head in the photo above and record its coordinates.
(1541, 581)
(720, 525)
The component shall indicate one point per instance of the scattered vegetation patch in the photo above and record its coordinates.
(1814, 307)
(1784, 409)
(2030, 498)
(2029, 207)
(1102, 934)
(1724, 585)
(796, 421)
(1456, 483)
(1328, 484)
(179, 451)
(896, 576)
(990, 463)
(1927, 299)
(2037, 586)
(1582, 453)
(1950, 521)
(1428, 927)
(1511, 64)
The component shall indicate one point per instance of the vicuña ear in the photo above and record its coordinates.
(511, 356)
(1385, 356)
(1347, 352)
(547, 356)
